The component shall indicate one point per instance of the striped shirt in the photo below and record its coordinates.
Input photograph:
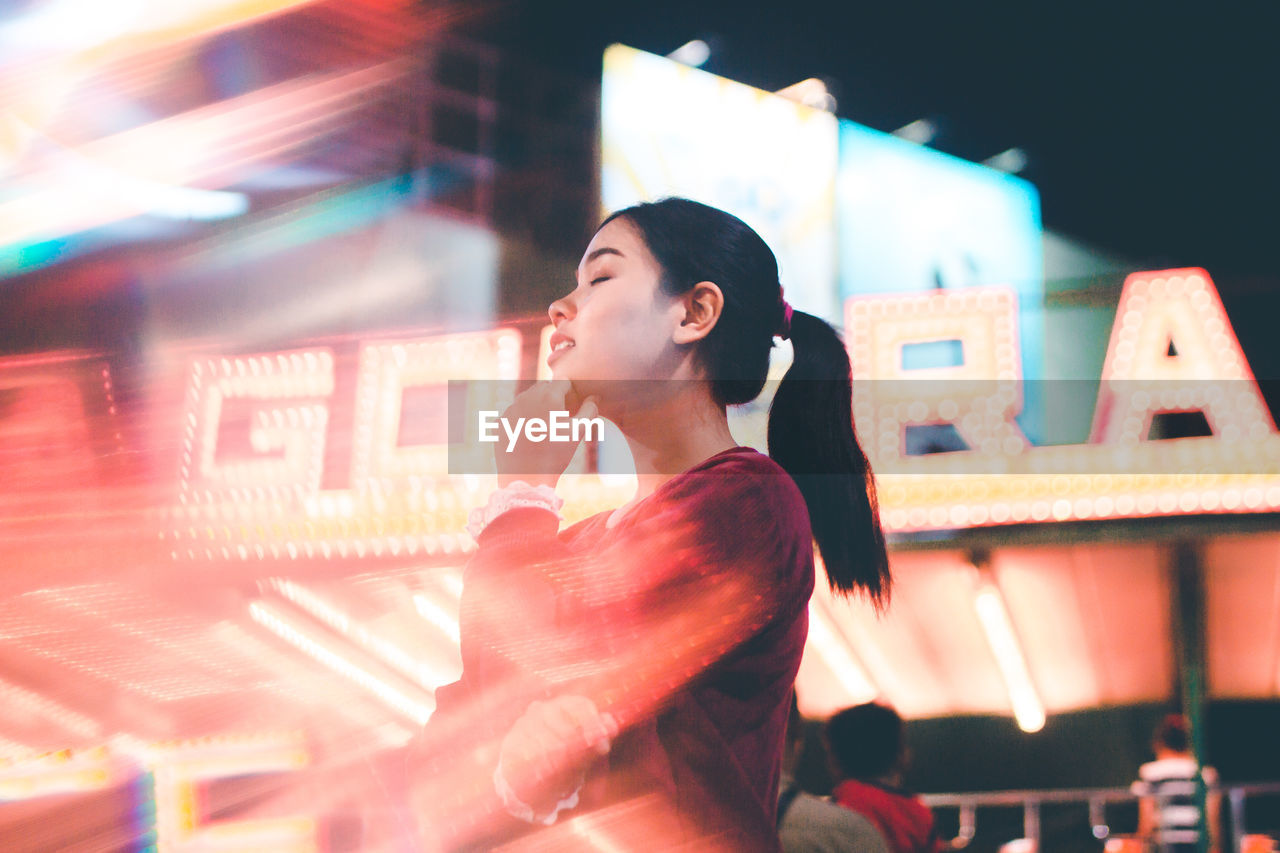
(1172, 784)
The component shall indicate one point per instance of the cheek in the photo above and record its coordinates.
(628, 330)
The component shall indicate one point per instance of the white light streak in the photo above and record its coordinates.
(437, 616)
(1028, 710)
(289, 631)
(386, 651)
(834, 651)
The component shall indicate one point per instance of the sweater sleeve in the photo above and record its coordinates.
(628, 619)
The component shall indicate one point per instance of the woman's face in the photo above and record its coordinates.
(617, 323)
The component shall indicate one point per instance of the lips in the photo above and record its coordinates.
(560, 343)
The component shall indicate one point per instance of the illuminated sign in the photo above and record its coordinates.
(264, 498)
(1172, 349)
(178, 770)
(1179, 356)
(912, 219)
(888, 396)
(258, 437)
(850, 211)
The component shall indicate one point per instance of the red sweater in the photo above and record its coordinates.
(905, 822)
(685, 621)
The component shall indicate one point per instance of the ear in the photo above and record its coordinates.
(702, 305)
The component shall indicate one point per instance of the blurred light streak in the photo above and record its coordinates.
(178, 767)
(17, 699)
(152, 197)
(438, 616)
(363, 720)
(834, 651)
(596, 839)
(212, 145)
(71, 25)
(326, 213)
(989, 604)
(61, 772)
(452, 583)
(46, 55)
(284, 627)
(340, 621)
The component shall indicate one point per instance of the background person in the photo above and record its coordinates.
(869, 756)
(1168, 810)
(812, 824)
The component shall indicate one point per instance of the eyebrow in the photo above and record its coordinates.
(603, 250)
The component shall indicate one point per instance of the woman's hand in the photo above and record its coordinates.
(546, 753)
(540, 462)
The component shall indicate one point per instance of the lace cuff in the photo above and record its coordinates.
(521, 810)
(511, 496)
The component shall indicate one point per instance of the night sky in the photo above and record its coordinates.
(1149, 127)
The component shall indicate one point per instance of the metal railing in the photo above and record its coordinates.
(1097, 800)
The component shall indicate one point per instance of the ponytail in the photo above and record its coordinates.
(811, 436)
(811, 420)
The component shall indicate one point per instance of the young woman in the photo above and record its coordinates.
(627, 680)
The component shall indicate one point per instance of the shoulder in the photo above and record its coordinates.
(840, 828)
(1168, 768)
(746, 477)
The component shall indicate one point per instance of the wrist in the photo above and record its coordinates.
(517, 493)
(532, 809)
(549, 480)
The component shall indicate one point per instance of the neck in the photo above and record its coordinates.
(892, 779)
(1164, 752)
(671, 435)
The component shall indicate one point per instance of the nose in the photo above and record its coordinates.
(561, 309)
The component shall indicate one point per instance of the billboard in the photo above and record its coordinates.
(668, 129)
(915, 220)
(848, 210)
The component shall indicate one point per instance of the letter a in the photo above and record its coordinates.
(1173, 350)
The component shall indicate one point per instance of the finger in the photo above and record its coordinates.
(559, 390)
(592, 727)
(589, 409)
(568, 718)
(536, 747)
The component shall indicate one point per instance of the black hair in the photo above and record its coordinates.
(1174, 733)
(811, 419)
(865, 741)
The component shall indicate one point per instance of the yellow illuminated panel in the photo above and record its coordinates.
(387, 369)
(888, 397)
(61, 772)
(179, 768)
(289, 417)
(1111, 481)
(269, 504)
(1173, 349)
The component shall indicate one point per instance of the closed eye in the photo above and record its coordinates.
(600, 279)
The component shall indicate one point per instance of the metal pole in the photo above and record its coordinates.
(1189, 640)
(1031, 823)
(1237, 819)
